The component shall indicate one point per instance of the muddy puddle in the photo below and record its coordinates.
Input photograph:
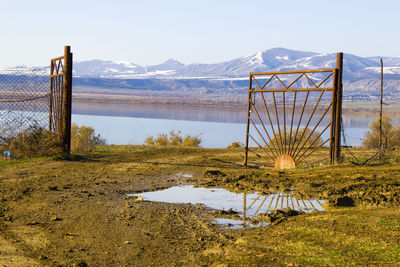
(246, 208)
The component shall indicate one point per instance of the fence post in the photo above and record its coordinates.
(338, 115)
(67, 101)
(246, 147)
(51, 96)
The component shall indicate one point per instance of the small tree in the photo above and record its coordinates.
(83, 139)
(389, 135)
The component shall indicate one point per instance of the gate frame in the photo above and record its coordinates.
(336, 116)
(60, 98)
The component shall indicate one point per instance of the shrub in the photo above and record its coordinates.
(390, 135)
(83, 139)
(235, 145)
(192, 141)
(34, 141)
(173, 139)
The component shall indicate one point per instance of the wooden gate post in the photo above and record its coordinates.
(67, 101)
(338, 111)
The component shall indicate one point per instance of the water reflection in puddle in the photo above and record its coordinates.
(246, 205)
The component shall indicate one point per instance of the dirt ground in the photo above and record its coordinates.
(75, 212)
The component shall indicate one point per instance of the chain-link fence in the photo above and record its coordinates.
(24, 99)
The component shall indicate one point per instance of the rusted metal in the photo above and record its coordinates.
(263, 125)
(270, 121)
(61, 98)
(380, 114)
(277, 121)
(290, 72)
(338, 126)
(248, 123)
(288, 145)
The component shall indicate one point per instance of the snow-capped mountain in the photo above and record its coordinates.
(360, 74)
(268, 60)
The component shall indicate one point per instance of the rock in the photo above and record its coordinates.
(127, 242)
(344, 201)
(278, 216)
(213, 173)
(229, 211)
(55, 218)
(42, 257)
(139, 199)
(80, 264)
(53, 188)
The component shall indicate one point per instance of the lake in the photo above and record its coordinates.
(219, 127)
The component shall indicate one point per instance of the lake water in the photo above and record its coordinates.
(219, 127)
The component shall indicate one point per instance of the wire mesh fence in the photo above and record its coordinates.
(24, 99)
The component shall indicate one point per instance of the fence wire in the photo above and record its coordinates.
(24, 99)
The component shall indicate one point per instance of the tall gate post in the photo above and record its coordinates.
(67, 101)
(338, 111)
(248, 122)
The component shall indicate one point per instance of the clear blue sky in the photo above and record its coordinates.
(149, 32)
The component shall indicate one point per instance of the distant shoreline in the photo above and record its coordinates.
(218, 101)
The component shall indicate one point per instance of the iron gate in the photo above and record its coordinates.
(274, 132)
(61, 97)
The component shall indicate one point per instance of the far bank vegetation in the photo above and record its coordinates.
(390, 134)
(173, 139)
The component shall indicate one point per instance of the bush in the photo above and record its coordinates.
(390, 135)
(34, 141)
(235, 145)
(83, 139)
(173, 139)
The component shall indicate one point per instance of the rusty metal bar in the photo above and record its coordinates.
(311, 144)
(267, 82)
(315, 127)
(333, 123)
(308, 78)
(56, 75)
(252, 77)
(255, 141)
(51, 96)
(298, 125)
(284, 119)
(318, 147)
(270, 121)
(284, 85)
(270, 203)
(262, 137)
(291, 90)
(290, 72)
(254, 201)
(255, 153)
(277, 121)
(262, 203)
(339, 66)
(244, 206)
(325, 79)
(67, 89)
(262, 123)
(57, 58)
(308, 122)
(295, 80)
(291, 123)
(246, 149)
(276, 204)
